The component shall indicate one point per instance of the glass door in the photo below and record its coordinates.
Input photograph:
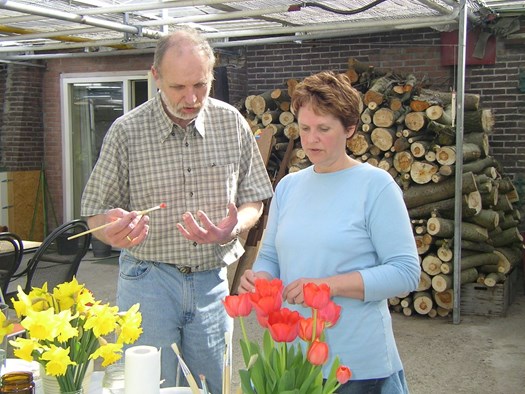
(92, 104)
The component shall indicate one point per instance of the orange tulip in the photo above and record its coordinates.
(317, 353)
(266, 298)
(343, 374)
(239, 305)
(330, 313)
(306, 329)
(283, 325)
(316, 296)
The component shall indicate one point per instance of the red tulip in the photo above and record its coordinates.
(343, 374)
(284, 325)
(316, 296)
(330, 313)
(317, 353)
(238, 305)
(267, 297)
(306, 329)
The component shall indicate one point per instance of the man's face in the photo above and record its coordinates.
(184, 80)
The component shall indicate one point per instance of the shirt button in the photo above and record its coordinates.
(187, 144)
(195, 243)
(189, 170)
(191, 194)
(173, 133)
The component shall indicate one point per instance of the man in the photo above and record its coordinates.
(198, 156)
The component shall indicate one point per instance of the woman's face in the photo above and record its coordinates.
(323, 138)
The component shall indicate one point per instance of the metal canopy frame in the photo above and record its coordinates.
(67, 28)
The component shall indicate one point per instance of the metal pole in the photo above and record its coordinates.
(460, 89)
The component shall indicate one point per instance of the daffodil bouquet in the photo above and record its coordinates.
(294, 350)
(66, 328)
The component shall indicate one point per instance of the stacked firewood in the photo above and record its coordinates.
(409, 131)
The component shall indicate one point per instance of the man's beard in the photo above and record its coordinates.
(177, 112)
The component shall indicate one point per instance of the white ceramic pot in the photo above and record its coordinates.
(50, 383)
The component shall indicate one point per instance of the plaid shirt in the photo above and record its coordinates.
(146, 160)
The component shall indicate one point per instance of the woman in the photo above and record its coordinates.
(343, 223)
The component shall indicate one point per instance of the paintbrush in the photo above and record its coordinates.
(203, 384)
(226, 368)
(186, 371)
(140, 213)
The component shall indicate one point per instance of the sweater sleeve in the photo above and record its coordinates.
(398, 269)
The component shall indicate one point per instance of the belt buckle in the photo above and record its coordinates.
(184, 270)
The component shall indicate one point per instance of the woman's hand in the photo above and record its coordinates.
(248, 278)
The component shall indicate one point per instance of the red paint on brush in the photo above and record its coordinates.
(163, 205)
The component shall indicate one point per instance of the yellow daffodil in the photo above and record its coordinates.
(66, 294)
(130, 322)
(65, 330)
(6, 327)
(40, 325)
(110, 352)
(102, 319)
(25, 348)
(57, 360)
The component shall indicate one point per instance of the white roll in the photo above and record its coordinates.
(142, 370)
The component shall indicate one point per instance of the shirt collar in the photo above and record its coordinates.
(198, 122)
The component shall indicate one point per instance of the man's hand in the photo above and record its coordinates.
(128, 228)
(207, 232)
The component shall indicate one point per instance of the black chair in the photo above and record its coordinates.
(57, 259)
(11, 251)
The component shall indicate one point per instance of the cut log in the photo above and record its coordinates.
(384, 117)
(291, 131)
(270, 117)
(376, 92)
(431, 264)
(424, 194)
(508, 258)
(445, 253)
(359, 144)
(403, 161)
(442, 282)
(471, 101)
(420, 148)
(425, 282)
(444, 299)
(400, 144)
(479, 121)
(507, 237)
(477, 260)
(415, 120)
(422, 302)
(421, 171)
(487, 218)
(440, 114)
(446, 155)
(493, 278)
(383, 138)
(445, 228)
(262, 103)
(286, 117)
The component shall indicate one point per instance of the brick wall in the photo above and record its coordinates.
(21, 127)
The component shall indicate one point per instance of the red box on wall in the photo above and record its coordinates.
(449, 48)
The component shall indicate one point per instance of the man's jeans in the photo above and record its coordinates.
(182, 308)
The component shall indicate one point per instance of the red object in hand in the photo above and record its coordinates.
(306, 327)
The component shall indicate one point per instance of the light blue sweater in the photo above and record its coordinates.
(352, 220)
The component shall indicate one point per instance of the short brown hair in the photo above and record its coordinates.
(329, 93)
